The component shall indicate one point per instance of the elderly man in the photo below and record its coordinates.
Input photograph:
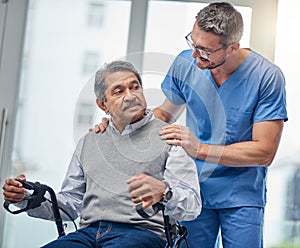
(127, 164)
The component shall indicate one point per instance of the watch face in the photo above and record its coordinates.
(168, 195)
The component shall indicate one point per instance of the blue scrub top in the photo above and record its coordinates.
(224, 115)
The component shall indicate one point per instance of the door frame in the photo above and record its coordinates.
(12, 23)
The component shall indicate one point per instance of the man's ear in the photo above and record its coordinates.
(101, 104)
(235, 47)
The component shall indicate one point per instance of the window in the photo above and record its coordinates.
(61, 53)
(164, 42)
(86, 114)
(96, 14)
(91, 61)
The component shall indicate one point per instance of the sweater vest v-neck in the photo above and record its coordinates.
(108, 160)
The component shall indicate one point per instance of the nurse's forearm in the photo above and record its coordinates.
(249, 153)
(168, 112)
(260, 151)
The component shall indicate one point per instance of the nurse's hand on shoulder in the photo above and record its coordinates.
(181, 136)
(101, 127)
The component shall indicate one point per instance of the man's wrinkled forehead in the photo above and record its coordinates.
(120, 77)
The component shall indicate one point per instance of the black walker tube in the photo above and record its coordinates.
(57, 217)
(168, 229)
(35, 200)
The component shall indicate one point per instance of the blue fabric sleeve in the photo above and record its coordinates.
(272, 95)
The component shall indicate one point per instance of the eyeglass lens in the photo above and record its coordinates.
(199, 51)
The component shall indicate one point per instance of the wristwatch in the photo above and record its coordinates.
(167, 194)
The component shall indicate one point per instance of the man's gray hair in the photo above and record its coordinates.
(114, 66)
(222, 19)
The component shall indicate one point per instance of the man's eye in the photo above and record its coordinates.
(117, 92)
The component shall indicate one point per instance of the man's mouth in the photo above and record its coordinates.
(203, 59)
(131, 105)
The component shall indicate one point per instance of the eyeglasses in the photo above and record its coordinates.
(201, 51)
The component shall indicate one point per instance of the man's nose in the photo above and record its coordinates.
(194, 54)
(129, 96)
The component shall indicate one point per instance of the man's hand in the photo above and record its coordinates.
(181, 136)
(146, 189)
(101, 127)
(13, 190)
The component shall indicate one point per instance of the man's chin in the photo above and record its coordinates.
(135, 114)
(202, 64)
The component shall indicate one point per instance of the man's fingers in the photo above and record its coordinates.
(146, 204)
(148, 201)
(13, 194)
(172, 132)
(14, 189)
(135, 178)
(105, 122)
(13, 182)
(21, 177)
(170, 136)
(174, 142)
(167, 129)
(97, 128)
(137, 199)
(102, 128)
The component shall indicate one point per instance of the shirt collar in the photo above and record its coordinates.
(134, 126)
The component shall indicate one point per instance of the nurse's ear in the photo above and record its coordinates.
(233, 48)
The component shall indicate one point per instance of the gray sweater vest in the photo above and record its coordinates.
(108, 160)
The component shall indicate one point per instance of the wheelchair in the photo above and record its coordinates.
(175, 233)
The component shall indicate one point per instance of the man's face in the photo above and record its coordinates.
(210, 45)
(125, 101)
